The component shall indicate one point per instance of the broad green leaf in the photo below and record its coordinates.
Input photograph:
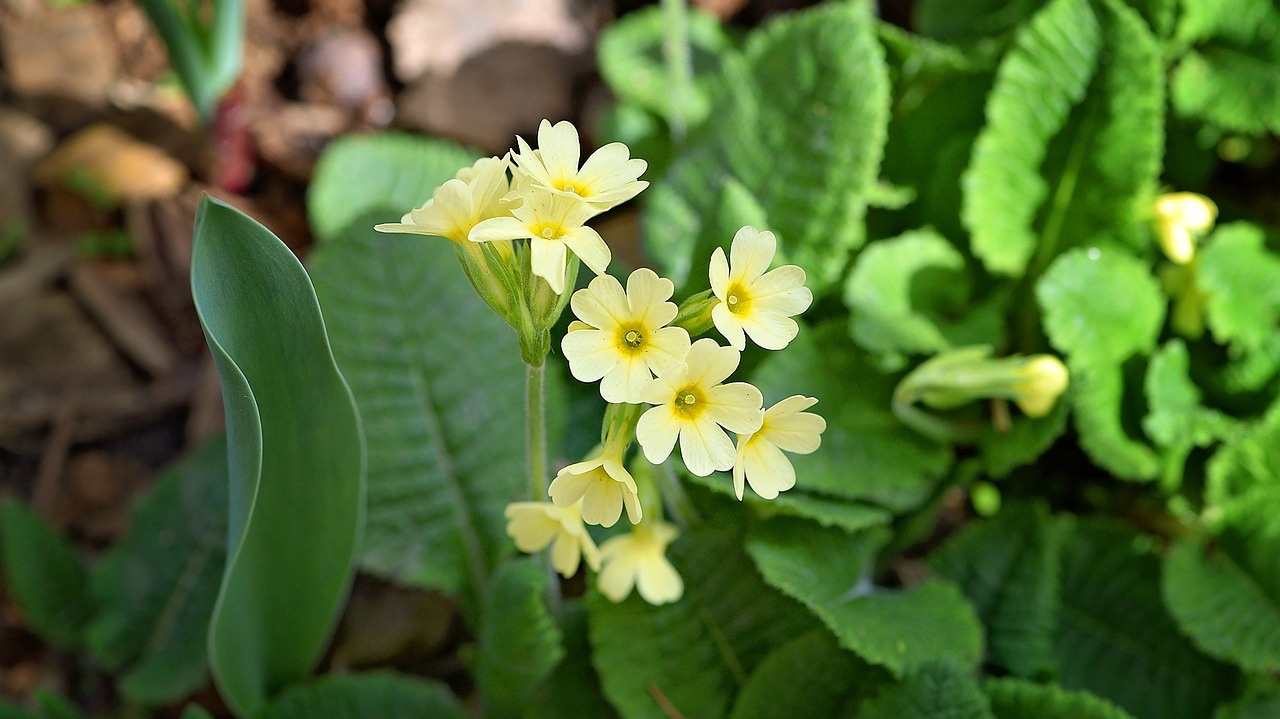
(1240, 279)
(698, 652)
(1072, 143)
(156, 588)
(963, 21)
(878, 294)
(1226, 596)
(440, 385)
(573, 690)
(387, 174)
(867, 454)
(520, 643)
(1248, 464)
(631, 60)
(808, 676)
(826, 511)
(800, 123)
(934, 691)
(734, 207)
(43, 575)
(1115, 638)
(1021, 699)
(1026, 440)
(829, 571)
(1232, 77)
(1176, 420)
(1102, 307)
(294, 454)
(383, 694)
(1008, 568)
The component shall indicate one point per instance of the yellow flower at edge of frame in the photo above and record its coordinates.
(760, 461)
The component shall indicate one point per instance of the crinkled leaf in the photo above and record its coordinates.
(1021, 699)
(520, 643)
(1115, 638)
(934, 691)
(1008, 568)
(573, 689)
(827, 511)
(1176, 420)
(1102, 307)
(156, 588)
(1071, 142)
(971, 20)
(384, 694)
(43, 575)
(1226, 595)
(867, 454)
(697, 652)
(829, 571)
(440, 385)
(295, 459)
(1232, 78)
(387, 174)
(1248, 464)
(1026, 439)
(808, 676)
(1240, 279)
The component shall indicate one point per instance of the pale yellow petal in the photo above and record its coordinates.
(590, 247)
(559, 148)
(499, 228)
(770, 330)
(729, 325)
(565, 555)
(737, 406)
(592, 354)
(750, 254)
(719, 274)
(659, 582)
(626, 380)
(668, 347)
(547, 260)
(704, 447)
(663, 388)
(709, 363)
(767, 469)
(602, 303)
(602, 501)
(647, 296)
(657, 432)
(800, 433)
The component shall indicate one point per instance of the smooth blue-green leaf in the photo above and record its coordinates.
(156, 588)
(43, 575)
(380, 695)
(440, 385)
(295, 459)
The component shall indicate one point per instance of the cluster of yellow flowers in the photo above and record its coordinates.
(663, 387)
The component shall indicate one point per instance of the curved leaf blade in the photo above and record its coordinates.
(1021, 699)
(382, 694)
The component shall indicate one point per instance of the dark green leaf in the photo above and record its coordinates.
(384, 695)
(808, 676)
(519, 641)
(960, 21)
(1026, 440)
(1021, 699)
(573, 691)
(934, 691)
(43, 575)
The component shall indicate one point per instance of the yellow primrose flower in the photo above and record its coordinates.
(623, 337)
(534, 525)
(607, 178)
(552, 223)
(1043, 379)
(457, 206)
(1180, 218)
(753, 301)
(638, 559)
(602, 485)
(760, 460)
(693, 405)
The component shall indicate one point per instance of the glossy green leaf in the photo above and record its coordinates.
(43, 575)
(387, 174)
(520, 643)
(808, 676)
(1115, 638)
(1008, 567)
(934, 691)
(867, 454)
(440, 385)
(1021, 699)
(829, 571)
(294, 453)
(698, 652)
(156, 588)
(385, 695)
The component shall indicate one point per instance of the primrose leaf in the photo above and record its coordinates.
(397, 173)
(934, 691)
(1008, 568)
(440, 384)
(1115, 638)
(295, 457)
(573, 689)
(1264, 706)
(1071, 143)
(43, 575)
(1176, 420)
(1026, 439)
(1240, 279)
(694, 653)
(1021, 699)
(520, 643)
(156, 588)
(808, 676)
(382, 694)
(1232, 77)
(828, 570)
(867, 454)
(1248, 464)
(964, 21)
(1226, 596)
(1102, 307)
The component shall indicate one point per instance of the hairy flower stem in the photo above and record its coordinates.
(536, 455)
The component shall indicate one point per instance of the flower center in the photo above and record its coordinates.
(572, 189)
(631, 340)
(689, 402)
(738, 300)
(548, 233)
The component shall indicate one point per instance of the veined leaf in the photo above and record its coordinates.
(1240, 279)
(520, 643)
(971, 20)
(1226, 596)
(1021, 699)
(397, 173)
(156, 588)
(1008, 567)
(867, 454)
(43, 575)
(808, 676)
(1071, 143)
(440, 385)
(698, 652)
(385, 695)
(295, 457)
(827, 511)
(1176, 420)
(1232, 78)
(829, 570)
(573, 689)
(934, 691)
(1248, 464)
(1115, 638)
